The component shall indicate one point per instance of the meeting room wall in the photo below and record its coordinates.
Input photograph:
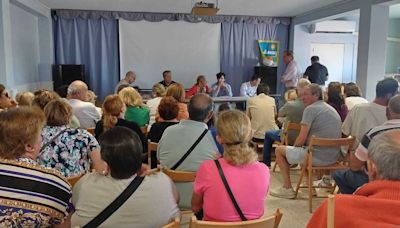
(27, 40)
(393, 47)
(303, 40)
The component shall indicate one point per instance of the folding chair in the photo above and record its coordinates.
(151, 148)
(285, 138)
(308, 166)
(268, 222)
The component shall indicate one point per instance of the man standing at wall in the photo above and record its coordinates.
(292, 71)
(130, 77)
(316, 73)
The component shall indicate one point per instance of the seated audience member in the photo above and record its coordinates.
(30, 195)
(5, 99)
(200, 87)
(158, 92)
(290, 95)
(86, 112)
(136, 111)
(153, 204)
(24, 98)
(213, 129)
(377, 203)
(349, 180)
(71, 151)
(366, 116)
(43, 97)
(336, 99)
(168, 111)
(319, 119)
(177, 140)
(178, 92)
(247, 178)
(92, 98)
(130, 77)
(221, 88)
(261, 110)
(292, 111)
(113, 115)
(167, 79)
(249, 89)
(352, 95)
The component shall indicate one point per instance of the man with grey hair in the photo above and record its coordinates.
(174, 146)
(377, 203)
(318, 119)
(293, 112)
(130, 77)
(292, 72)
(86, 112)
(349, 180)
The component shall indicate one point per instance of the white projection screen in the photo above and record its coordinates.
(187, 49)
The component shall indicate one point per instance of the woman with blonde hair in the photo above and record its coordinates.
(24, 98)
(32, 196)
(69, 150)
(247, 178)
(158, 92)
(177, 91)
(136, 111)
(113, 115)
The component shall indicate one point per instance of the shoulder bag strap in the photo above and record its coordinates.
(228, 189)
(117, 203)
(190, 150)
(52, 140)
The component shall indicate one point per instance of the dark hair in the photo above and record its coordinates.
(121, 149)
(165, 72)
(220, 74)
(168, 108)
(263, 88)
(351, 89)
(254, 77)
(224, 107)
(386, 86)
(314, 58)
(121, 87)
(335, 94)
(199, 106)
(62, 91)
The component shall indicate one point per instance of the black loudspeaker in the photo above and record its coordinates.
(64, 74)
(268, 76)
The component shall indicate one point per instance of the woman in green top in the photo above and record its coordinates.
(136, 111)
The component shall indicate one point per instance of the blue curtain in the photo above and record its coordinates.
(240, 52)
(94, 43)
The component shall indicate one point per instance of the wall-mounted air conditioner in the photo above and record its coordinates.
(334, 26)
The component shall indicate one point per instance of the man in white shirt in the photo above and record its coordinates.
(366, 116)
(86, 112)
(249, 89)
(292, 72)
(130, 77)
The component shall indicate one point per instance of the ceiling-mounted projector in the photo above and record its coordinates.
(204, 9)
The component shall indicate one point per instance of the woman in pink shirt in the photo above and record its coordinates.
(248, 179)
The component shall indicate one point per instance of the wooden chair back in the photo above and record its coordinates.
(331, 212)
(144, 129)
(308, 167)
(73, 180)
(173, 224)
(151, 148)
(267, 222)
(289, 127)
(180, 176)
(91, 131)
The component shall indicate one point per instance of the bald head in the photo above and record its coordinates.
(393, 109)
(200, 107)
(130, 77)
(77, 90)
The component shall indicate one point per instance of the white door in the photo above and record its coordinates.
(331, 56)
